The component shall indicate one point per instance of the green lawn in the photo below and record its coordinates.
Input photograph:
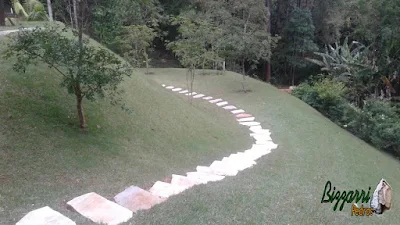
(286, 186)
(20, 24)
(45, 160)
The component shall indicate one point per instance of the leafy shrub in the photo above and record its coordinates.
(325, 95)
(377, 123)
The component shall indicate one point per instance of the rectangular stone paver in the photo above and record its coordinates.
(223, 169)
(100, 210)
(198, 96)
(204, 177)
(222, 103)
(165, 190)
(45, 216)
(135, 199)
(215, 100)
(237, 163)
(237, 111)
(229, 107)
(208, 98)
(183, 92)
(183, 181)
(250, 123)
(248, 119)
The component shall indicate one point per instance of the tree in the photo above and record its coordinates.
(50, 10)
(135, 43)
(298, 40)
(86, 71)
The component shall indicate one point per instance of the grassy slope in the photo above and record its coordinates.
(45, 160)
(286, 187)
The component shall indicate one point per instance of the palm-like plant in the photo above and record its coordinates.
(30, 9)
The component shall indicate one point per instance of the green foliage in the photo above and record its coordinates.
(134, 43)
(36, 10)
(377, 123)
(325, 95)
(86, 71)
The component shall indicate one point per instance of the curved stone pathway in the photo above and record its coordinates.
(100, 210)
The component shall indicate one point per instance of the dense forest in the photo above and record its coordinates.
(342, 55)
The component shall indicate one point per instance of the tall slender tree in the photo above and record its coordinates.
(2, 13)
(50, 9)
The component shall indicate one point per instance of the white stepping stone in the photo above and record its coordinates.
(230, 107)
(165, 190)
(176, 89)
(208, 98)
(204, 177)
(135, 199)
(241, 156)
(215, 100)
(190, 94)
(184, 92)
(248, 119)
(262, 137)
(170, 87)
(45, 216)
(237, 163)
(223, 169)
(250, 123)
(237, 111)
(255, 128)
(222, 103)
(256, 153)
(183, 181)
(100, 210)
(261, 132)
(198, 96)
(204, 169)
(163, 85)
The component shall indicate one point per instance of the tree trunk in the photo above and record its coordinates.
(268, 64)
(50, 9)
(75, 13)
(81, 115)
(2, 13)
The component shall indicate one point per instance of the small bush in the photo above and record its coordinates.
(325, 95)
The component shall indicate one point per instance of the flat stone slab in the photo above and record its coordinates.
(183, 181)
(135, 199)
(204, 177)
(163, 85)
(222, 103)
(165, 190)
(176, 89)
(184, 92)
(204, 169)
(223, 169)
(248, 119)
(208, 98)
(198, 96)
(170, 87)
(243, 115)
(190, 94)
(215, 100)
(261, 132)
(250, 123)
(237, 163)
(230, 107)
(100, 210)
(238, 111)
(45, 216)
(262, 137)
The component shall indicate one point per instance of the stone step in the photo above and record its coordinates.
(255, 128)
(247, 157)
(100, 210)
(176, 89)
(135, 199)
(223, 169)
(215, 100)
(229, 107)
(190, 94)
(45, 216)
(198, 96)
(222, 103)
(170, 87)
(241, 157)
(165, 190)
(237, 111)
(208, 98)
(204, 177)
(236, 163)
(262, 137)
(261, 132)
(184, 92)
(204, 169)
(184, 181)
(247, 119)
(163, 85)
(243, 115)
(250, 123)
